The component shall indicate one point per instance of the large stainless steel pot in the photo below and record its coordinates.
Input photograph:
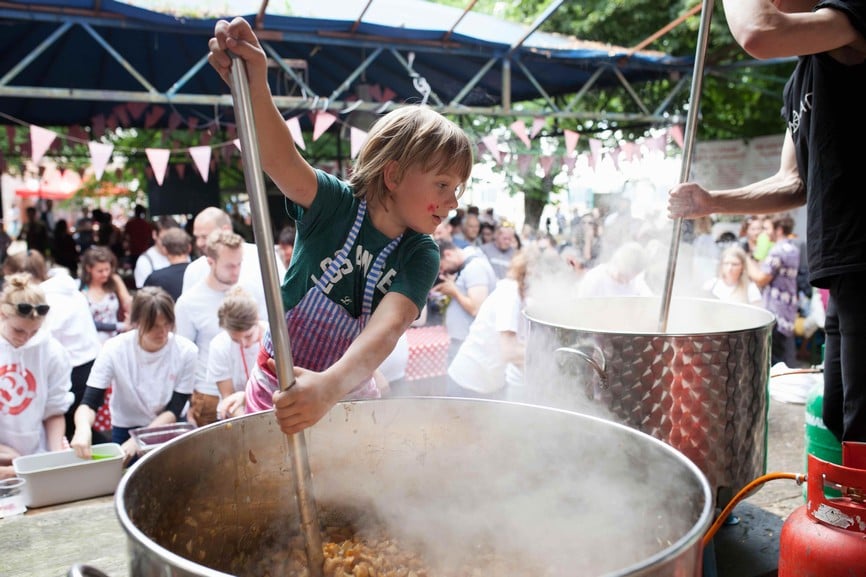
(549, 486)
(700, 386)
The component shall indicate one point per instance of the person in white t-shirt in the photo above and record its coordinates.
(155, 257)
(34, 375)
(151, 370)
(207, 221)
(622, 275)
(492, 355)
(197, 317)
(733, 283)
(232, 353)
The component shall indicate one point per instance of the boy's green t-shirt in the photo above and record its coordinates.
(411, 268)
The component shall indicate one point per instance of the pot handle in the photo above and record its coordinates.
(599, 367)
(81, 570)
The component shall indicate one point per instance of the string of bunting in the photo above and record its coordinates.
(41, 140)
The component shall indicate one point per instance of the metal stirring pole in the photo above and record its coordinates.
(688, 149)
(254, 179)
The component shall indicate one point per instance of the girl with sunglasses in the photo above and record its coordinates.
(35, 373)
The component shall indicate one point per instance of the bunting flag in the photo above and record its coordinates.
(180, 169)
(630, 151)
(97, 126)
(158, 158)
(387, 95)
(121, 112)
(546, 163)
(201, 158)
(40, 140)
(100, 154)
(676, 132)
(614, 156)
(174, 120)
(153, 115)
(537, 125)
(492, 146)
(323, 122)
(571, 138)
(518, 127)
(523, 162)
(358, 138)
(136, 109)
(595, 151)
(297, 134)
(569, 162)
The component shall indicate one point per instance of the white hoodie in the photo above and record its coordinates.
(69, 319)
(34, 385)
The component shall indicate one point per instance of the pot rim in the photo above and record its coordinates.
(593, 302)
(685, 542)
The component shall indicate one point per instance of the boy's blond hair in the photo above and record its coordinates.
(411, 136)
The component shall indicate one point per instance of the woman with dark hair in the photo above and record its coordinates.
(150, 370)
(64, 251)
(107, 295)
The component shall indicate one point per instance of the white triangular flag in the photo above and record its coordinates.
(100, 154)
(201, 157)
(158, 158)
(358, 138)
(323, 122)
(295, 129)
(40, 140)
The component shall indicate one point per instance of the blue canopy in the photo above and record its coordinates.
(68, 62)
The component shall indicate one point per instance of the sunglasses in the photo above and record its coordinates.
(26, 309)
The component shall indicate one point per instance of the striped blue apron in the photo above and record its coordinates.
(320, 330)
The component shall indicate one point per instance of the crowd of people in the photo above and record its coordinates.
(180, 338)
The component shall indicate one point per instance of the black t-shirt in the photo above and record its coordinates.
(824, 108)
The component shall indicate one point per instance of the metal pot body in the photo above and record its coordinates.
(550, 487)
(701, 386)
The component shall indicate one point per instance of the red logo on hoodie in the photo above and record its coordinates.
(17, 391)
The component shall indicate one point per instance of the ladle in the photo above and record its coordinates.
(688, 149)
(254, 179)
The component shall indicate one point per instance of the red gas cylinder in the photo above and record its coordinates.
(826, 537)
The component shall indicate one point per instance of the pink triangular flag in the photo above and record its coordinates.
(571, 138)
(297, 134)
(537, 125)
(237, 143)
(100, 154)
(136, 108)
(676, 132)
(523, 161)
(595, 150)
(493, 146)
(323, 122)
(40, 140)
(546, 163)
(180, 169)
(158, 158)
(518, 127)
(614, 156)
(569, 162)
(388, 94)
(359, 137)
(628, 150)
(201, 158)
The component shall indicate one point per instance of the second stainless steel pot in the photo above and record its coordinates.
(701, 386)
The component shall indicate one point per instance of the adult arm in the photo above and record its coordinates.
(784, 190)
(764, 31)
(280, 159)
(314, 394)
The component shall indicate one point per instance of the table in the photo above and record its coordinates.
(48, 541)
(428, 352)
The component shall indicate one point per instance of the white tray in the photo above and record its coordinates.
(60, 477)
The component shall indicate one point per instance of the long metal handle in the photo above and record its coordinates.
(255, 183)
(688, 149)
